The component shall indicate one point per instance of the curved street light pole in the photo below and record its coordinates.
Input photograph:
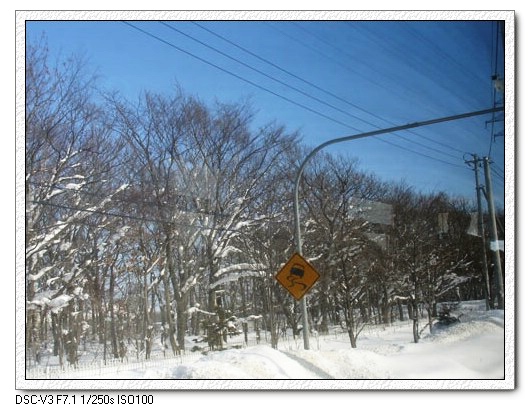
(298, 235)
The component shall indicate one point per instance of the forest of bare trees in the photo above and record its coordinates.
(164, 217)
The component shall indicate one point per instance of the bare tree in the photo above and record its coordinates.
(68, 156)
(238, 161)
(336, 230)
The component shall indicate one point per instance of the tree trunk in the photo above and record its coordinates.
(168, 315)
(170, 276)
(182, 318)
(415, 324)
(353, 339)
(324, 306)
(385, 307)
(57, 339)
(147, 333)
(400, 310)
(113, 339)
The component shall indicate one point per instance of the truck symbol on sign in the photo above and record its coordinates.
(295, 275)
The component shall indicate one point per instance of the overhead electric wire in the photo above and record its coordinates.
(497, 174)
(411, 60)
(347, 67)
(331, 94)
(495, 168)
(495, 116)
(262, 73)
(235, 75)
(278, 95)
(129, 200)
(459, 151)
(317, 51)
(96, 211)
(127, 216)
(406, 61)
(399, 56)
(340, 122)
(305, 93)
(426, 64)
(441, 52)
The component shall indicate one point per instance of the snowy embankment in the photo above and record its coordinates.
(472, 349)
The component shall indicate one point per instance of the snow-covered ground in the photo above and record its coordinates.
(471, 349)
(455, 357)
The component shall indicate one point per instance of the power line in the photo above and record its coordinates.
(332, 95)
(399, 56)
(263, 73)
(181, 202)
(340, 63)
(497, 174)
(278, 95)
(236, 75)
(346, 67)
(96, 211)
(372, 67)
(303, 92)
(127, 216)
(429, 68)
(444, 53)
(368, 79)
(317, 51)
(496, 167)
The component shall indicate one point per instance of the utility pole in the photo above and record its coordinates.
(481, 233)
(494, 240)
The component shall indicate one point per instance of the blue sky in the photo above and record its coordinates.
(327, 79)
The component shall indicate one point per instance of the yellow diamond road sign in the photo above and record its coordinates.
(297, 276)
